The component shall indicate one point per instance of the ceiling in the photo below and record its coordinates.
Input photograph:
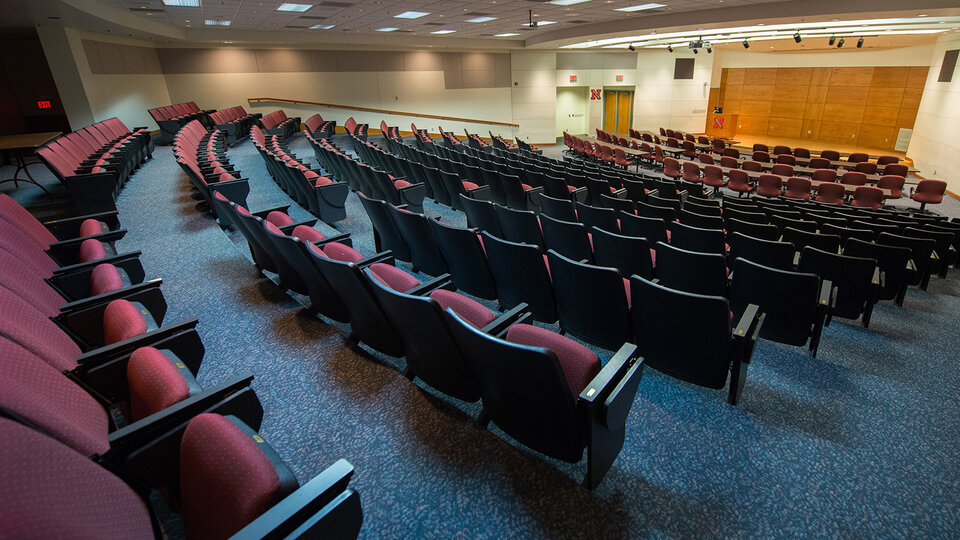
(355, 23)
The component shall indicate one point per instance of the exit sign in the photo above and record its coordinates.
(573, 78)
(43, 104)
(619, 78)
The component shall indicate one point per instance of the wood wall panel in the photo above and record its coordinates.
(856, 105)
(785, 127)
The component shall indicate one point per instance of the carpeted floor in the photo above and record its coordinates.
(859, 442)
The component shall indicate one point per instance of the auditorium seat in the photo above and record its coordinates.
(768, 252)
(830, 193)
(929, 192)
(519, 225)
(855, 282)
(628, 254)
(699, 239)
(569, 239)
(795, 304)
(424, 253)
(922, 253)
(549, 393)
(867, 197)
(661, 323)
(739, 181)
(690, 271)
(481, 214)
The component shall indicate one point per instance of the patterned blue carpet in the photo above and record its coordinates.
(859, 442)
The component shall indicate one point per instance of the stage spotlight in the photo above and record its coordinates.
(710, 51)
(670, 48)
(631, 47)
(840, 43)
(695, 51)
(797, 38)
(833, 40)
(746, 44)
(860, 43)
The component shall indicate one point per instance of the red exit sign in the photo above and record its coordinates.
(43, 104)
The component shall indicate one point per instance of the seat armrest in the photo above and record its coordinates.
(146, 429)
(107, 297)
(746, 333)
(385, 257)
(340, 239)
(878, 277)
(83, 266)
(438, 282)
(107, 352)
(324, 502)
(262, 214)
(287, 229)
(606, 388)
(507, 319)
(826, 294)
(69, 227)
(110, 236)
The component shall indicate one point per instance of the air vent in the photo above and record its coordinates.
(577, 22)
(477, 14)
(336, 4)
(434, 24)
(147, 10)
(313, 18)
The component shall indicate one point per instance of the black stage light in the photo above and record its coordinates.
(797, 38)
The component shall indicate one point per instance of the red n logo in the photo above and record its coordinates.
(718, 122)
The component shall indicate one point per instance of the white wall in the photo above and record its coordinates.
(125, 96)
(572, 109)
(534, 97)
(410, 91)
(663, 101)
(935, 145)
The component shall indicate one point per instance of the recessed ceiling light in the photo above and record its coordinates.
(443, 32)
(540, 23)
(387, 29)
(641, 7)
(922, 15)
(508, 34)
(182, 3)
(411, 15)
(299, 8)
(211, 22)
(322, 26)
(481, 19)
(567, 2)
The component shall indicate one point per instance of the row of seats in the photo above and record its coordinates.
(171, 118)
(97, 395)
(594, 303)
(355, 129)
(235, 122)
(457, 345)
(319, 128)
(202, 154)
(96, 161)
(320, 195)
(277, 123)
(366, 178)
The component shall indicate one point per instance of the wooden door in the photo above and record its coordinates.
(610, 110)
(624, 111)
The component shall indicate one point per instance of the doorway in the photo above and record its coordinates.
(617, 110)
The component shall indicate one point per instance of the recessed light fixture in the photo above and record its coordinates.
(411, 15)
(299, 8)
(211, 22)
(641, 7)
(840, 43)
(182, 3)
(540, 23)
(441, 32)
(797, 38)
(508, 34)
(833, 39)
(746, 44)
(322, 26)
(481, 19)
(860, 43)
(387, 29)
(567, 2)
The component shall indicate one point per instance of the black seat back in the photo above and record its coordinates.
(566, 238)
(466, 259)
(893, 261)
(696, 239)
(651, 228)
(629, 254)
(789, 300)
(770, 253)
(592, 301)
(852, 277)
(691, 271)
(561, 209)
(481, 214)
(519, 225)
(661, 323)
(386, 236)
(416, 233)
(602, 218)
(801, 239)
(521, 273)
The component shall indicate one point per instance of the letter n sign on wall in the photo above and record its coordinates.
(718, 122)
(596, 93)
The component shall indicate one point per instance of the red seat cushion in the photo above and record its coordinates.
(526, 187)
(122, 320)
(342, 252)
(225, 177)
(470, 310)
(272, 228)
(393, 277)
(322, 181)
(105, 278)
(469, 186)
(92, 250)
(226, 481)
(401, 184)
(579, 364)
(90, 227)
(308, 234)
(279, 219)
(51, 491)
(626, 289)
(155, 383)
